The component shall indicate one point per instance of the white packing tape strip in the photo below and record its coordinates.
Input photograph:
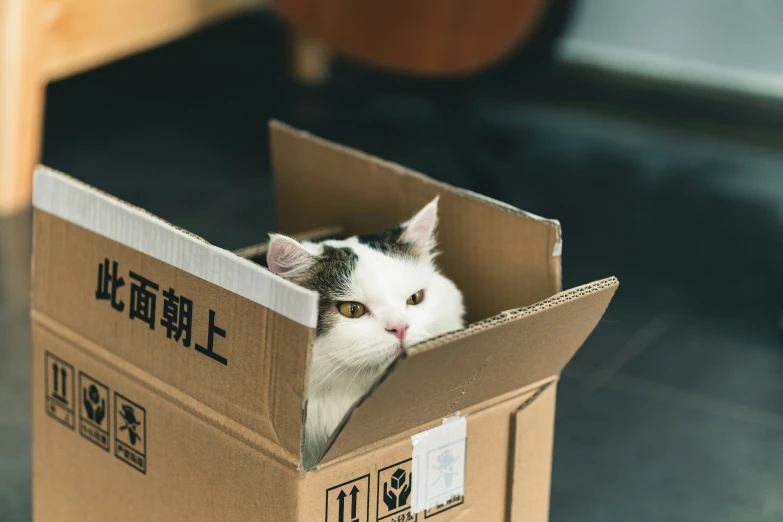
(88, 208)
(439, 464)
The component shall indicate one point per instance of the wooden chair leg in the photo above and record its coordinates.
(21, 101)
(311, 59)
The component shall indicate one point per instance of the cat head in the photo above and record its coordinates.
(378, 294)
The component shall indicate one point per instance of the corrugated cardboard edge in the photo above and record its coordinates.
(491, 403)
(516, 313)
(492, 322)
(259, 249)
(82, 205)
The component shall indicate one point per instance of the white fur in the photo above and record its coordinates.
(350, 357)
(288, 257)
(420, 229)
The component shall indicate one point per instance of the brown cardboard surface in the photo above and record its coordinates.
(514, 396)
(193, 470)
(262, 384)
(533, 428)
(222, 441)
(490, 461)
(196, 471)
(257, 252)
(444, 375)
(500, 257)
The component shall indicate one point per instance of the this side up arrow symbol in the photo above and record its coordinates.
(341, 506)
(354, 494)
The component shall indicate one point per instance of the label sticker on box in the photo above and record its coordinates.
(438, 474)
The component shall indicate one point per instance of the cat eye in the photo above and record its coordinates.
(416, 298)
(351, 309)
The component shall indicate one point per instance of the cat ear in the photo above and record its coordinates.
(287, 256)
(420, 229)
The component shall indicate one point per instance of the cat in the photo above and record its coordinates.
(378, 295)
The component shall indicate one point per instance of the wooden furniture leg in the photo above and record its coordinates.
(46, 40)
(310, 59)
(21, 101)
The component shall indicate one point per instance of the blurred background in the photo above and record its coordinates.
(651, 130)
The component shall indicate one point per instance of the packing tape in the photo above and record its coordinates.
(439, 464)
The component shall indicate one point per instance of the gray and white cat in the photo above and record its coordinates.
(378, 295)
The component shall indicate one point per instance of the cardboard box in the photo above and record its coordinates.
(170, 375)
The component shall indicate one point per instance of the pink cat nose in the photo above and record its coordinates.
(398, 331)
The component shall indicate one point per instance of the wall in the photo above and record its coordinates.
(732, 44)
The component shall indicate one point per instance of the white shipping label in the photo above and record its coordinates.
(439, 464)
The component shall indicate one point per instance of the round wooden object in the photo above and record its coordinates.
(427, 37)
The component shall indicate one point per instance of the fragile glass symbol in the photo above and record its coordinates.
(131, 424)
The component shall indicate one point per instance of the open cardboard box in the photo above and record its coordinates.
(170, 375)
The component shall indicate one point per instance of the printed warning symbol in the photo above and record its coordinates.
(394, 493)
(59, 390)
(93, 411)
(445, 474)
(130, 432)
(349, 502)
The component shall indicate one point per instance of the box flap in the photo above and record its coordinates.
(499, 256)
(220, 328)
(508, 352)
(257, 252)
(530, 457)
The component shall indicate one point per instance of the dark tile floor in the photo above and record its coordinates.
(672, 411)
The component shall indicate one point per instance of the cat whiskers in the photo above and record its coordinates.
(373, 367)
(342, 369)
(335, 362)
(338, 352)
(335, 358)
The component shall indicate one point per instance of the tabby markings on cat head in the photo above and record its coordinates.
(330, 276)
